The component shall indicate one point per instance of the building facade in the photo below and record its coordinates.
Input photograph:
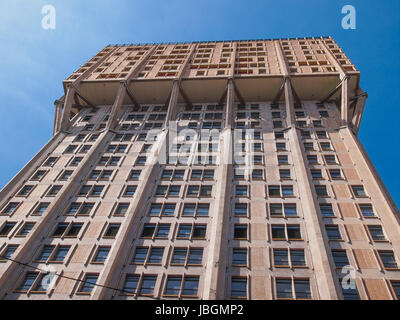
(209, 170)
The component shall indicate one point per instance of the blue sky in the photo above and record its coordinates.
(34, 61)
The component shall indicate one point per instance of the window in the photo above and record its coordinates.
(377, 233)
(308, 146)
(283, 159)
(174, 286)
(195, 256)
(281, 258)
(50, 162)
(240, 231)
(187, 231)
(241, 191)
(293, 289)
(316, 174)
(280, 146)
(75, 161)
(6, 228)
(239, 257)
(27, 282)
(101, 255)
(78, 208)
(129, 191)
(340, 258)
(321, 134)
(287, 191)
(52, 253)
(10, 208)
(53, 191)
(162, 231)
(147, 285)
(330, 159)
(88, 284)
(312, 159)
(25, 191)
(335, 174)
(396, 288)
(121, 209)
(349, 293)
(239, 288)
(274, 191)
(155, 255)
(284, 174)
(286, 232)
(326, 210)
(112, 230)
(38, 175)
(388, 260)
(240, 209)
(27, 227)
(326, 146)
(321, 191)
(65, 175)
(8, 252)
(367, 210)
(134, 174)
(359, 191)
(333, 232)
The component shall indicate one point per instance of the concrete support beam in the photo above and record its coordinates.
(344, 105)
(172, 104)
(358, 111)
(318, 243)
(58, 114)
(116, 108)
(214, 281)
(66, 113)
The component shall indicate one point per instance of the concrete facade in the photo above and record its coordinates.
(134, 197)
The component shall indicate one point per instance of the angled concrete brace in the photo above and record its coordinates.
(25, 251)
(344, 77)
(358, 111)
(80, 95)
(58, 114)
(71, 90)
(124, 89)
(279, 93)
(318, 244)
(333, 91)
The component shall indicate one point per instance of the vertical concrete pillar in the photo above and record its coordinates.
(214, 278)
(318, 244)
(345, 101)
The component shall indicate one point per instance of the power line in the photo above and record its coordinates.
(66, 277)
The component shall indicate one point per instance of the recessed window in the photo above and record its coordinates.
(239, 288)
(240, 232)
(6, 228)
(88, 284)
(112, 230)
(8, 252)
(27, 227)
(239, 257)
(333, 232)
(101, 254)
(326, 210)
(312, 159)
(340, 258)
(359, 191)
(377, 233)
(388, 260)
(321, 191)
(367, 210)
(293, 289)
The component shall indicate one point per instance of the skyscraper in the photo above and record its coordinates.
(207, 170)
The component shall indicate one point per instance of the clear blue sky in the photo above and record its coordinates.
(34, 61)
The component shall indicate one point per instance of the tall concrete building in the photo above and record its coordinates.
(208, 170)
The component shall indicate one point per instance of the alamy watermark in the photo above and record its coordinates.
(49, 18)
(349, 20)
